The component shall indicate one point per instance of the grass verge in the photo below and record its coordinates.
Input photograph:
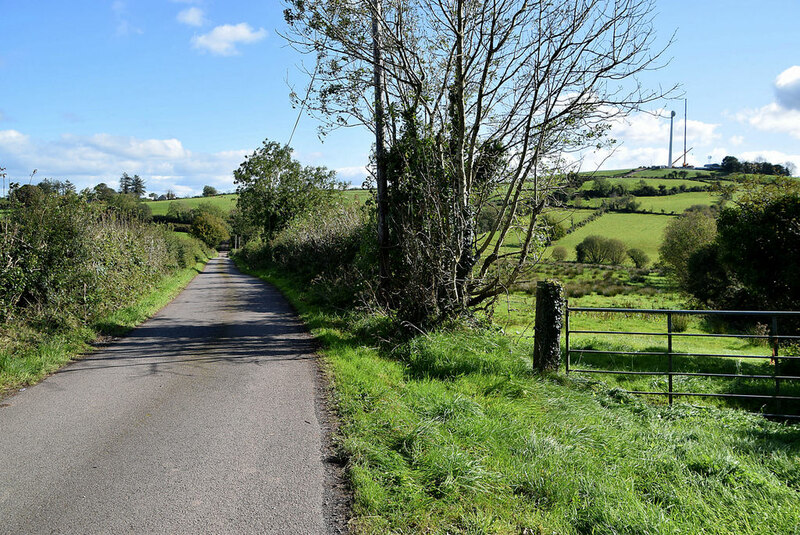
(450, 432)
(40, 355)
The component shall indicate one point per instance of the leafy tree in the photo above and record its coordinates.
(730, 164)
(513, 84)
(103, 193)
(683, 236)
(128, 206)
(758, 245)
(601, 187)
(209, 191)
(179, 212)
(137, 186)
(209, 228)
(600, 250)
(26, 195)
(616, 251)
(273, 188)
(639, 258)
(170, 195)
(125, 183)
(559, 253)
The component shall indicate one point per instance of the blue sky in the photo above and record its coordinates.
(180, 91)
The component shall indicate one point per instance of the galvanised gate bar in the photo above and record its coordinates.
(774, 338)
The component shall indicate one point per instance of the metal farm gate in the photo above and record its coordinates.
(778, 379)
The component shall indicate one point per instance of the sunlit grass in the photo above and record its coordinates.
(451, 432)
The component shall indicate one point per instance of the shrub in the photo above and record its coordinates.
(65, 260)
(639, 258)
(684, 236)
(599, 250)
(616, 251)
(323, 240)
(680, 322)
(210, 228)
(178, 212)
(559, 253)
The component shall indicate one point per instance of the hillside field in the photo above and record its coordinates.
(642, 231)
(225, 202)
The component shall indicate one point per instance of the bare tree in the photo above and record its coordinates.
(500, 96)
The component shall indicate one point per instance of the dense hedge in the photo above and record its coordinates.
(333, 246)
(64, 260)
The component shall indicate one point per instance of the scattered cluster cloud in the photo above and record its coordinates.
(644, 141)
(653, 128)
(355, 175)
(89, 160)
(787, 88)
(124, 26)
(783, 115)
(193, 16)
(773, 118)
(222, 40)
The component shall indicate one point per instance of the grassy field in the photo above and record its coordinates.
(569, 216)
(39, 357)
(452, 433)
(228, 202)
(643, 231)
(224, 202)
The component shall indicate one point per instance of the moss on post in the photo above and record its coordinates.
(550, 304)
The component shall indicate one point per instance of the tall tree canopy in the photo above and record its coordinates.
(485, 101)
(273, 188)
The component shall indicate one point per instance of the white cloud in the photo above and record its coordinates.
(653, 128)
(353, 172)
(772, 118)
(222, 40)
(736, 140)
(124, 26)
(89, 160)
(787, 88)
(192, 16)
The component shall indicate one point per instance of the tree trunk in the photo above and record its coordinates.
(380, 152)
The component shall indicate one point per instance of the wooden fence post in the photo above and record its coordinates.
(550, 304)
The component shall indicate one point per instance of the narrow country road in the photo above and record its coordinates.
(209, 418)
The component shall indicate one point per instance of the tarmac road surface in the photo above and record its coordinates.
(209, 418)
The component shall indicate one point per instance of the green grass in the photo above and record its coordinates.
(358, 195)
(228, 202)
(568, 216)
(607, 173)
(451, 433)
(643, 231)
(677, 203)
(225, 202)
(37, 356)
